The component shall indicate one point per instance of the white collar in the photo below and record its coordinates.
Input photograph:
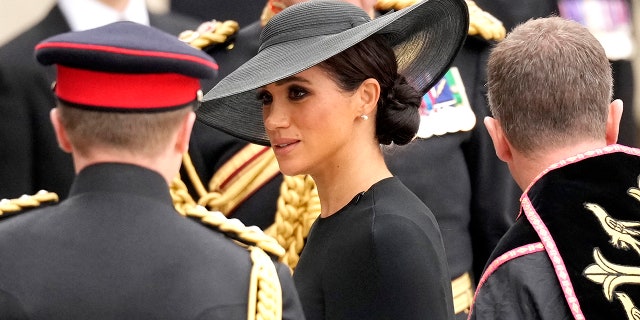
(88, 14)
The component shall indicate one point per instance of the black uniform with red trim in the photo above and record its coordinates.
(574, 252)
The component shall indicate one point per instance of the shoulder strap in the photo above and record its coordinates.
(26, 202)
(265, 292)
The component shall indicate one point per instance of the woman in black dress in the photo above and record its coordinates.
(327, 88)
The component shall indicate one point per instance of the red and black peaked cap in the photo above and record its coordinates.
(125, 66)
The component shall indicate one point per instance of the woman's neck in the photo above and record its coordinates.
(357, 174)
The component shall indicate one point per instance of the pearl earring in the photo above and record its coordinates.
(364, 117)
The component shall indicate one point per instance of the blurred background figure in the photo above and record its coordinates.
(242, 11)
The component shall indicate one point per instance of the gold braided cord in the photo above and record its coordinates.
(298, 207)
(210, 33)
(247, 171)
(182, 200)
(188, 166)
(27, 201)
(235, 229)
(265, 292)
(239, 178)
(481, 23)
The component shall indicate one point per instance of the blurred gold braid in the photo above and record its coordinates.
(210, 33)
(481, 23)
(298, 207)
(247, 171)
(10, 206)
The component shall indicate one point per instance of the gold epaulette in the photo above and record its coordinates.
(235, 229)
(481, 23)
(265, 292)
(210, 33)
(25, 202)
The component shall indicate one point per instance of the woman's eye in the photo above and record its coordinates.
(297, 93)
(265, 97)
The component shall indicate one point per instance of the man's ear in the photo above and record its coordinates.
(184, 133)
(613, 121)
(369, 93)
(500, 143)
(60, 131)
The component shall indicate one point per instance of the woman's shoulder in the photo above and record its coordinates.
(391, 196)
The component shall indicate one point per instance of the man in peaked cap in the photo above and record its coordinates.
(30, 158)
(116, 248)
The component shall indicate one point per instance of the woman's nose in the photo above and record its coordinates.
(275, 117)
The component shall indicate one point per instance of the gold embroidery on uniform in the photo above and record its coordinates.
(610, 275)
(621, 232)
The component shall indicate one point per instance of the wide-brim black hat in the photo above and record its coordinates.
(425, 37)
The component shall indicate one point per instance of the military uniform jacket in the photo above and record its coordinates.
(574, 252)
(116, 249)
(30, 157)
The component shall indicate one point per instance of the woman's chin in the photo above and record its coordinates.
(289, 169)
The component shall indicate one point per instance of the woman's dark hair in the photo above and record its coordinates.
(397, 118)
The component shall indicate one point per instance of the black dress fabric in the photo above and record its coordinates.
(379, 257)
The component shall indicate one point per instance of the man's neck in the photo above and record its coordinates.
(525, 168)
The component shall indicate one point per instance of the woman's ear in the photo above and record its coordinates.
(368, 93)
(60, 131)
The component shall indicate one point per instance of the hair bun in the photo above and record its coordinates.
(398, 114)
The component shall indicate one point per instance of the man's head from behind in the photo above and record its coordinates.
(125, 90)
(549, 85)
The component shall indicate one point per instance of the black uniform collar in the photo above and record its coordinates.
(587, 218)
(121, 178)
